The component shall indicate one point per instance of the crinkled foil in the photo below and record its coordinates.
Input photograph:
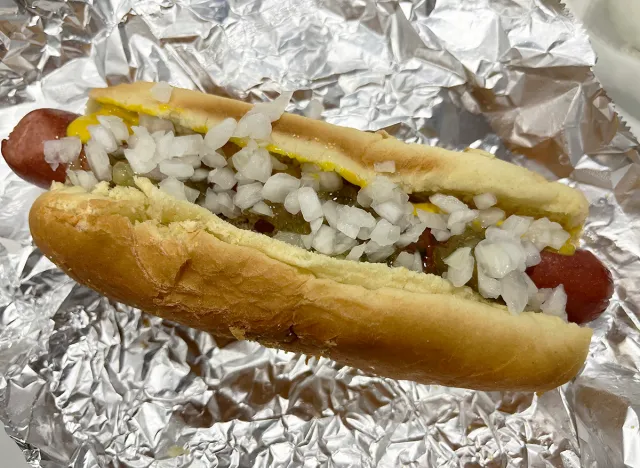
(85, 382)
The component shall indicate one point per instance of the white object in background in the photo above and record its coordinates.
(615, 37)
(11, 454)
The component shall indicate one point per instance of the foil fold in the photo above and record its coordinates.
(86, 382)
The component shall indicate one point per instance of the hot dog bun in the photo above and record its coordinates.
(177, 260)
(419, 168)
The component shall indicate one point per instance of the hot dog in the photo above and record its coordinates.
(400, 259)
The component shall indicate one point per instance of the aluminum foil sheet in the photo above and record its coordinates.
(85, 382)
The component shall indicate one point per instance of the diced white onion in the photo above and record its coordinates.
(273, 110)
(514, 291)
(356, 253)
(325, 240)
(62, 151)
(200, 175)
(517, 225)
(103, 136)
(262, 208)
(173, 187)
(191, 194)
(116, 125)
(248, 195)
(343, 243)
(211, 202)
(310, 180)
(461, 265)
(278, 186)
(214, 159)
(448, 203)
(433, 220)
(329, 181)
(556, 303)
(309, 204)
(223, 177)
(378, 253)
(98, 160)
(493, 259)
(277, 164)
(254, 126)
(292, 203)
(161, 92)
(532, 255)
(84, 179)
(490, 216)
(385, 233)
(411, 235)
(485, 201)
(154, 124)
(441, 236)
(487, 287)
(329, 209)
(389, 210)
(176, 168)
(219, 135)
(460, 218)
(186, 145)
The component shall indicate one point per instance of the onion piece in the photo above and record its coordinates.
(199, 175)
(309, 204)
(485, 201)
(254, 126)
(411, 235)
(404, 259)
(154, 124)
(272, 110)
(103, 136)
(493, 259)
(377, 253)
(213, 160)
(385, 233)
(116, 126)
(325, 240)
(211, 202)
(448, 203)
(223, 177)
(490, 217)
(461, 265)
(262, 208)
(278, 186)
(488, 287)
(514, 292)
(277, 164)
(555, 303)
(329, 181)
(176, 168)
(433, 220)
(173, 187)
(292, 203)
(389, 210)
(356, 253)
(219, 135)
(516, 225)
(248, 195)
(62, 151)
(84, 179)
(343, 243)
(98, 160)
(161, 92)
(330, 212)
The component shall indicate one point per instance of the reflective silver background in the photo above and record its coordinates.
(89, 383)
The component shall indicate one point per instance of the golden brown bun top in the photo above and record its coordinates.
(419, 168)
(178, 260)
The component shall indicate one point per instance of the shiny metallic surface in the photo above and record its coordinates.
(85, 382)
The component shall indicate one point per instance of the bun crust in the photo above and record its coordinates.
(179, 261)
(419, 168)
